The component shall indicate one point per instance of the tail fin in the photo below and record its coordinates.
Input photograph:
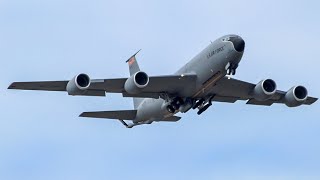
(133, 68)
(133, 64)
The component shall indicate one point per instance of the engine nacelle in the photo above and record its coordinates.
(264, 90)
(78, 85)
(296, 96)
(136, 82)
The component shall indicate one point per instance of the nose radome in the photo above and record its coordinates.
(238, 43)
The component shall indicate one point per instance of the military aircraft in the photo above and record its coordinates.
(203, 80)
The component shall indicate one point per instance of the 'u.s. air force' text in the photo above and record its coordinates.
(216, 51)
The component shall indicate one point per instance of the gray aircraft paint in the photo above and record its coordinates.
(196, 85)
(209, 63)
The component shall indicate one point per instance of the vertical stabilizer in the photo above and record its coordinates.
(133, 64)
(133, 68)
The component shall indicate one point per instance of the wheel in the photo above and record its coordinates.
(175, 106)
(179, 101)
(229, 71)
(233, 71)
(170, 109)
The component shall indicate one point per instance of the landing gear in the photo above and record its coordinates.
(171, 109)
(231, 69)
(202, 107)
(231, 72)
(198, 103)
(175, 105)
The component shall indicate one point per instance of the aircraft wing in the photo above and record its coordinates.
(173, 84)
(232, 90)
(50, 86)
(40, 85)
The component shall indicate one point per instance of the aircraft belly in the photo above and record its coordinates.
(149, 109)
(206, 87)
(212, 70)
(209, 79)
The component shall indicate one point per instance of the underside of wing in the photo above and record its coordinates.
(232, 90)
(279, 100)
(82, 85)
(172, 84)
(40, 85)
(51, 86)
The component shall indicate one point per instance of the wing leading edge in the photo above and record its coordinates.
(173, 84)
(50, 86)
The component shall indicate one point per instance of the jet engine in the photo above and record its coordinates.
(264, 90)
(296, 96)
(78, 85)
(136, 82)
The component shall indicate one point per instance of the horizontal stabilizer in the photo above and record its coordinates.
(122, 115)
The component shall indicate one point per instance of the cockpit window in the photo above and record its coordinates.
(225, 39)
(232, 38)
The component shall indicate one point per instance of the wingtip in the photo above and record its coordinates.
(315, 100)
(11, 86)
(82, 114)
(137, 52)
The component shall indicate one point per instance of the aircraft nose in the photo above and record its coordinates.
(238, 43)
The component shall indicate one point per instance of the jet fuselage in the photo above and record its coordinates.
(210, 65)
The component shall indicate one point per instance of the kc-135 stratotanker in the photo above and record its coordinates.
(207, 78)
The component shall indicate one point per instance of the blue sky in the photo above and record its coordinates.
(41, 136)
